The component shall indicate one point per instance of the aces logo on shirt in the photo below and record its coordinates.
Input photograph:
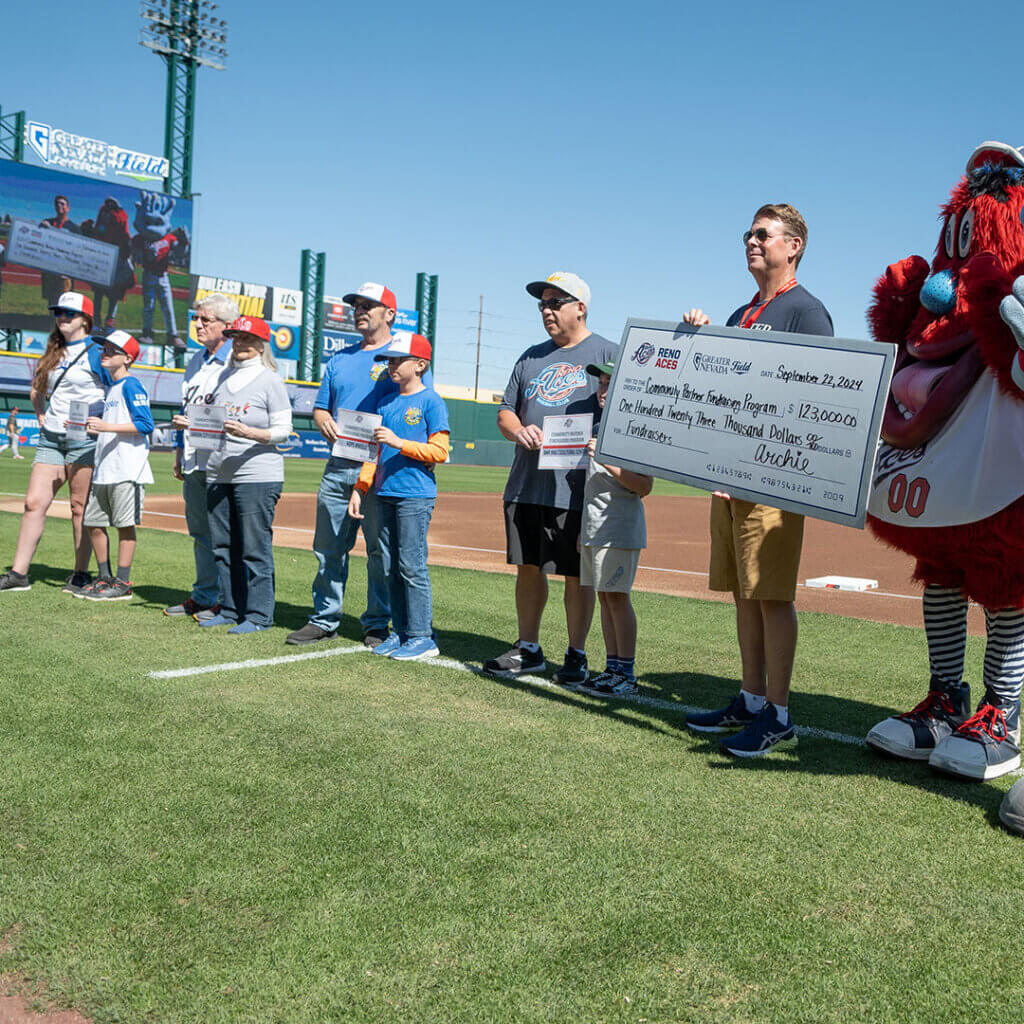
(413, 415)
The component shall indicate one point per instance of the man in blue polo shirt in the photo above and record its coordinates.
(353, 380)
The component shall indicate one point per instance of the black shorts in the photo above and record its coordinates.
(542, 536)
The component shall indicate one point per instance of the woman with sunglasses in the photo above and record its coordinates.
(244, 478)
(68, 371)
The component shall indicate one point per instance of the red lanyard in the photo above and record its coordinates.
(746, 320)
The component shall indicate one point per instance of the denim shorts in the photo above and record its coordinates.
(56, 450)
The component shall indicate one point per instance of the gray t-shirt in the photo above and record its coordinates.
(613, 515)
(552, 381)
(256, 396)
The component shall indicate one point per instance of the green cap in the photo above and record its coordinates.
(596, 369)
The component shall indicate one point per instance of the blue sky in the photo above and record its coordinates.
(492, 145)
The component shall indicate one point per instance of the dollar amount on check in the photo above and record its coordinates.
(788, 420)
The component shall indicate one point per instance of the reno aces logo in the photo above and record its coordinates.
(643, 353)
(555, 383)
(413, 415)
(376, 370)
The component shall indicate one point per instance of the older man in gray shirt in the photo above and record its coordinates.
(543, 507)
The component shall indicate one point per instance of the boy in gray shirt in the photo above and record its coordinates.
(612, 535)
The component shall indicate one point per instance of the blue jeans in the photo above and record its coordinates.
(157, 286)
(334, 538)
(206, 588)
(403, 534)
(241, 520)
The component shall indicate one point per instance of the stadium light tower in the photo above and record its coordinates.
(186, 33)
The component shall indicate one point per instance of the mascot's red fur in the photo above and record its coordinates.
(942, 353)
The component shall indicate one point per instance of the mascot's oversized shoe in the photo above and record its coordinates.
(1011, 811)
(915, 734)
(986, 746)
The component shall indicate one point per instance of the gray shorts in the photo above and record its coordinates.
(117, 504)
(609, 569)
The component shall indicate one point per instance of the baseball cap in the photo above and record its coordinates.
(405, 343)
(122, 340)
(250, 325)
(999, 153)
(596, 369)
(571, 284)
(373, 292)
(75, 301)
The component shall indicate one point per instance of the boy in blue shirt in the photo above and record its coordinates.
(413, 438)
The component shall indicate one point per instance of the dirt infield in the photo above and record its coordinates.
(467, 533)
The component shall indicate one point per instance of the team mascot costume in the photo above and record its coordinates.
(948, 486)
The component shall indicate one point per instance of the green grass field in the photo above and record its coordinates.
(303, 476)
(348, 839)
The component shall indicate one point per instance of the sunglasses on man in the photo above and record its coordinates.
(556, 303)
(762, 235)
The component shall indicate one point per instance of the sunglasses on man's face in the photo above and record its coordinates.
(365, 307)
(762, 235)
(556, 303)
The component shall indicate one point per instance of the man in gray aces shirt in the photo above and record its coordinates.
(543, 507)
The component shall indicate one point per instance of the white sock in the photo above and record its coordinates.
(754, 701)
(523, 645)
(782, 712)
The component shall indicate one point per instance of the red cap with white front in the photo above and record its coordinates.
(405, 343)
(250, 325)
(74, 301)
(122, 340)
(373, 292)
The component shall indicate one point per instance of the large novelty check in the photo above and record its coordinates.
(789, 420)
(62, 252)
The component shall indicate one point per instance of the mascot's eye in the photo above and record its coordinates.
(963, 242)
(950, 239)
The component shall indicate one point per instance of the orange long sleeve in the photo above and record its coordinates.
(435, 449)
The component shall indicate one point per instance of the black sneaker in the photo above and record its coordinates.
(915, 734)
(309, 634)
(515, 662)
(986, 746)
(574, 671)
(610, 684)
(375, 637)
(734, 716)
(116, 589)
(14, 581)
(76, 583)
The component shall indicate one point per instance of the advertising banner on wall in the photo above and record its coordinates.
(269, 302)
(128, 249)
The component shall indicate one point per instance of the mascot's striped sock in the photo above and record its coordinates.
(945, 625)
(1004, 652)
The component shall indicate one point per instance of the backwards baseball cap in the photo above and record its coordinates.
(122, 340)
(596, 369)
(373, 292)
(405, 343)
(75, 301)
(571, 284)
(250, 325)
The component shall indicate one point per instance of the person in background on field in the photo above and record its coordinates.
(53, 285)
(122, 469)
(245, 478)
(214, 314)
(544, 507)
(613, 534)
(13, 436)
(68, 371)
(413, 436)
(354, 380)
(755, 549)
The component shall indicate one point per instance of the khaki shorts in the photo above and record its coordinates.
(608, 569)
(118, 505)
(755, 550)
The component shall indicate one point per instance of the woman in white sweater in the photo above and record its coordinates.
(244, 478)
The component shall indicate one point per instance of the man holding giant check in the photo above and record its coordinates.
(755, 549)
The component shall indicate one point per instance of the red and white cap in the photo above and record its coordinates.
(571, 284)
(373, 292)
(250, 325)
(405, 343)
(122, 340)
(75, 301)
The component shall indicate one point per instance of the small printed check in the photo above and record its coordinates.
(206, 427)
(78, 413)
(355, 435)
(565, 441)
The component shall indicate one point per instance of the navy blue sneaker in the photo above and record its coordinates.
(763, 735)
(735, 716)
